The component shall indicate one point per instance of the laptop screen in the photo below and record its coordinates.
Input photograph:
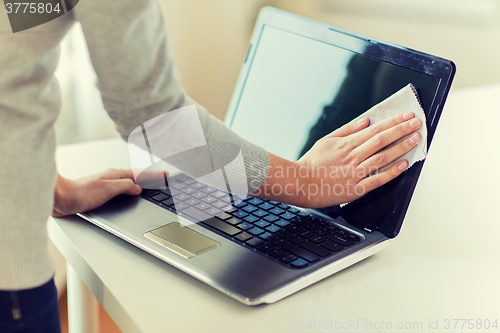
(299, 89)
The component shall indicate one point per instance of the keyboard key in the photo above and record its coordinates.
(267, 236)
(230, 209)
(288, 258)
(272, 202)
(265, 248)
(296, 239)
(342, 232)
(220, 204)
(240, 204)
(299, 221)
(340, 239)
(283, 206)
(192, 201)
(255, 231)
(233, 221)
(219, 194)
(332, 245)
(209, 189)
(279, 242)
(285, 234)
(333, 227)
(301, 252)
(276, 253)
(306, 234)
(299, 263)
(311, 226)
(260, 213)
(323, 223)
(293, 228)
(166, 191)
(203, 206)
(181, 206)
(323, 231)
(293, 210)
(149, 193)
(160, 197)
(255, 201)
(209, 199)
(168, 202)
(178, 186)
(244, 237)
(271, 218)
(199, 195)
(273, 228)
(213, 211)
(266, 206)
(245, 226)
(240, 214)
(170, 208)
(313, 219)
(277, 211)
(262, 224)
(287, 216)
(224, 216)
(282, 223)
(254, 242)
(317, 239)
(319, 250)
(250, 219)
(249, 208)
(354, 237)
(303, 214)
(248, 198)
(221, 226)
(189, 190)
(181, 197)
(198, 185)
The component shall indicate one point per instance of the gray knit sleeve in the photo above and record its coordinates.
(138, 81)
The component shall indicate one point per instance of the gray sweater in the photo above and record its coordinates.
(138, 81)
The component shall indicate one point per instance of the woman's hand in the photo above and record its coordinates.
(83, 194)
(339, 167)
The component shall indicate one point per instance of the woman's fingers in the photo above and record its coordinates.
(370, 183)
(380, 127)
(385, 138)
(350, 128)
(388, 155)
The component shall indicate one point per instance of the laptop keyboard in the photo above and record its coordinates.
(278, 231)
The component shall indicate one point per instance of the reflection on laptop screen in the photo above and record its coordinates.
(299, 89)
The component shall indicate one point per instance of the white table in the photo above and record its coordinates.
(445, 264)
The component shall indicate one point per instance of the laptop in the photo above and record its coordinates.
(300, 80)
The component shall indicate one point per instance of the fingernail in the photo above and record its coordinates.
(415, 123)
(414, 138)
(361, 121)
(402, 165)
(407, 115)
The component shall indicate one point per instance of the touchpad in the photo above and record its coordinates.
(182, 240)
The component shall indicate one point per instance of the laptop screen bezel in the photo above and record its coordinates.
(369, 47)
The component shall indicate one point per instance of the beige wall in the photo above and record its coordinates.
(210, 37)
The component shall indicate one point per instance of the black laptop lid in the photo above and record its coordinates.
(304, 79)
